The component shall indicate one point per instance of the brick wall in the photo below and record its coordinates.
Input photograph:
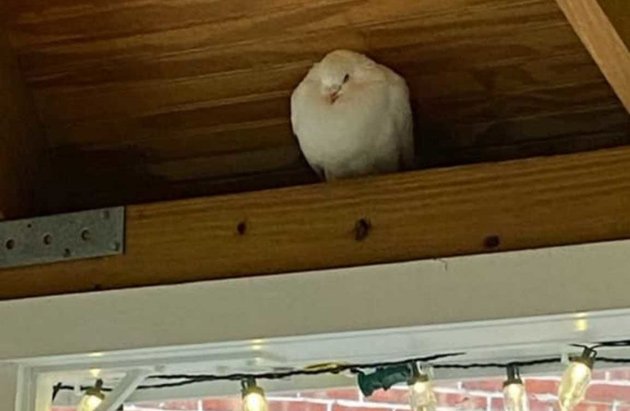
(609, 391)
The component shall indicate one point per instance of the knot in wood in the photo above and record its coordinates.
(362, 229)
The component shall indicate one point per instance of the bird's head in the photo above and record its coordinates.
(340, 70)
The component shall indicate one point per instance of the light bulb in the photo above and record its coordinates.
(253, 396)
(89, 403)
(93, 397)
(575, 380)
(421, 395)
(514, 394)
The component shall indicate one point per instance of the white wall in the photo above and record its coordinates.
(508, 285)
(8, 386)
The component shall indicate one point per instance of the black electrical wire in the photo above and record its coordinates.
(188, 379)
(197, 379)
(354, 368)
(335, 369)
(60, 387)
(585, 346)
(542, 361)
(56, 390)
(613, 360)
(618, 343)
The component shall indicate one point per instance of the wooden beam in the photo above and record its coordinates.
(21, 139)
(513, 205)
(603, 42)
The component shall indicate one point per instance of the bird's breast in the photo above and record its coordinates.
(349, 128)
(345, 129)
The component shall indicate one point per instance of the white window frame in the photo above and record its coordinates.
(437, 300)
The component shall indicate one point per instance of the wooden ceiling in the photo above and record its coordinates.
(143, 100)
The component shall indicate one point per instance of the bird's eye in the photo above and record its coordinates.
(346, 78)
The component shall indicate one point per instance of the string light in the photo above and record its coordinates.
(575, 380)
(514, 393)
(93, 397)
(253, 396)
(421, 394)
(385, 375)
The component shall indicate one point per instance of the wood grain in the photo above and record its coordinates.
(21, 140)
(513, 205)
(160, 94)
(603, 42)
(618, 12)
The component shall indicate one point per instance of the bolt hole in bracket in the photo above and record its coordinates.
(63, 237)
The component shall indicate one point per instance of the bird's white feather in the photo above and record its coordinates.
(352, 117)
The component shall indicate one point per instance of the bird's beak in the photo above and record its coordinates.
(334, 95)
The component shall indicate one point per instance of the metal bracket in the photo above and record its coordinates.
(63, 237)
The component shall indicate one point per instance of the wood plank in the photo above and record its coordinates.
(458, 94)
(618, 12)
(152, 94)
(573, 127)
(140, 86)
(122, 191)
(592, 141)
(603, 42)
(513, 205)
(20, 139)
(154, 169)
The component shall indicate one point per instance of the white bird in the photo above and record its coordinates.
(352, 118)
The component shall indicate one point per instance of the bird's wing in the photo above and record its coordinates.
(404, 119)
(407, 143)
(297, 107)
(321, 173)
